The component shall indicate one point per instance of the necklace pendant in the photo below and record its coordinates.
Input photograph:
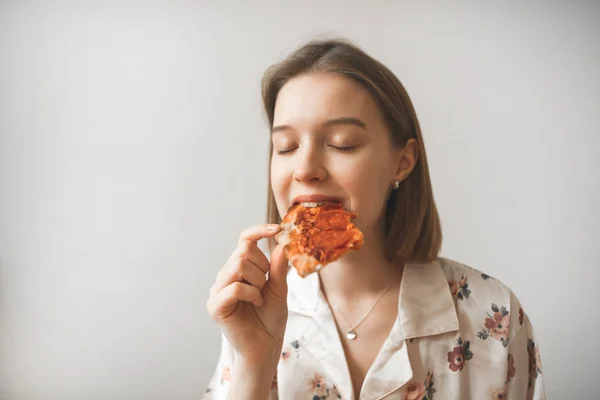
(350, 335)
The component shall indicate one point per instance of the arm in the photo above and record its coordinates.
(252, 381)
(237, 379)
(251, 309)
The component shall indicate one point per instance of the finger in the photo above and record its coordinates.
(225, 302)
(257, 232)
(241, 270)
(277, 282)
(250, 251)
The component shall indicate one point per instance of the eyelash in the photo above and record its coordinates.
(343, 148)
(283, 152)
(339, 148)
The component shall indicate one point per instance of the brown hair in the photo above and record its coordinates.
(412, 224)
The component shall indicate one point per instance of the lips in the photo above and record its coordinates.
(316, 198)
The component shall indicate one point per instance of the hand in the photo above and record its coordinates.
(251, 309)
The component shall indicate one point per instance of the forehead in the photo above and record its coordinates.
(314, 98)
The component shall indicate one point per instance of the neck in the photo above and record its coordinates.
(361, 274)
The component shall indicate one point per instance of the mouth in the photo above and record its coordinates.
(316, 200)
(311, 204)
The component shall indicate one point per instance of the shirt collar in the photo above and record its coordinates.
(425, 304)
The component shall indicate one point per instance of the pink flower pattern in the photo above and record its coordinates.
(496, 325)
(493, 323)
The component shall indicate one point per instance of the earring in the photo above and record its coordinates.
(396, 185)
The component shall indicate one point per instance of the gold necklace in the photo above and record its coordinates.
(351, 332)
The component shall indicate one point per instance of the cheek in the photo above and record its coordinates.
(275, 179)
(279, 184)
(365, 184)
(362, 177)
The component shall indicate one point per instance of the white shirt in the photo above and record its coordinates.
(459, 335)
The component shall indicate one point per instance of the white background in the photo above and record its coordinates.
(133, 149)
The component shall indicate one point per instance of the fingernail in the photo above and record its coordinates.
(272, 228)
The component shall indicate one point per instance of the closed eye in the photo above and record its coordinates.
(343, 148)
(338, 148)
(286, 151)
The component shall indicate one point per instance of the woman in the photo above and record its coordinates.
(392, 320)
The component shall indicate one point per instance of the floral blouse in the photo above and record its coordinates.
(460, 334)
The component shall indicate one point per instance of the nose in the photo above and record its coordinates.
(310, 166)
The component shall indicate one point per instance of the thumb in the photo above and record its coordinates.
(278, 272)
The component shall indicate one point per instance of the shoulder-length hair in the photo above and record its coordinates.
(412, 224)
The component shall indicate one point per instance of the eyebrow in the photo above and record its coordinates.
(330, 122)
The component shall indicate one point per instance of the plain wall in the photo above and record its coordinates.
(133, 150)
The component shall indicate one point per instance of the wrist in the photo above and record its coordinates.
(256, 365)
(267, 359)
(251, 379)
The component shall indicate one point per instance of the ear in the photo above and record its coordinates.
(407, 158)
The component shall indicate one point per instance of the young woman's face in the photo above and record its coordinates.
(330, 142)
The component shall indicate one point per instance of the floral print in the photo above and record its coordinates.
(421, 391)
(496, 325)
(335, 394)
(318, 386)
(453, 287)
(459, 355)
(521, 316)
(415, 391)
(535, 362)
(511, 370)
(464, 288)
(429, 389)
(440, 336)
(460, 290)
(498, 394)
(225, 375)
(320, 390)
(287, 351)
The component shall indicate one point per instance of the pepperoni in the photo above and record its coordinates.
(330, 238)
(335, 220)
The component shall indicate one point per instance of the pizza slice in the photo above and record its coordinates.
(316, 236)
